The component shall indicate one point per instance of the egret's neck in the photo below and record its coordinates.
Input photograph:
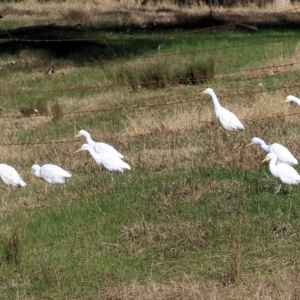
(215, 100)
(264, 145)
(272, 166)
(97, 156)
(89, 139)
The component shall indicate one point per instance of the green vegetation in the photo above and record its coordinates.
(197, 206)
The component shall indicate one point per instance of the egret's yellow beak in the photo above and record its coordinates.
(76, 136)
(250, 144)
(78, 150)
(202, 92)
(266, 159)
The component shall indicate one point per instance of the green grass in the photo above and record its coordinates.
(209, 212)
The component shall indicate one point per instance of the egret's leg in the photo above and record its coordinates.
(112, 176)
(278, 189)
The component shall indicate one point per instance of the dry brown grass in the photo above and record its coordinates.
(281, 284)
(196, 191)
(195, 115)
(130, 12)
(142, 235)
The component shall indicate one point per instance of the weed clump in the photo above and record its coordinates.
(11, 247)
(159, 74)
(197, 73)
(56, 111)
(40, 107)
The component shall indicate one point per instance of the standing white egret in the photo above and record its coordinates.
(228, 120)
(110, 161)
(99, 147)
(284, 172)
(10, 176)
(51, 173)
(283, 154)
(291, 98)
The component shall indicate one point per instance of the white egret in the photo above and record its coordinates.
(228, 120)
(51, 173)
(284, 172)
(283, 154)
(99, 147)
(291, 98)
(10, 176)
(109, 161)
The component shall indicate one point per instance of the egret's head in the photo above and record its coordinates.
(254, 141)
(35, 168)
(84, 147)
(81, 133)
(207, 91)
(270, 156)
(290, 98)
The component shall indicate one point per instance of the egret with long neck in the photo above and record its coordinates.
(283, 154)
(284, 172)
(99, 147)
(227, 119)
(109, 161)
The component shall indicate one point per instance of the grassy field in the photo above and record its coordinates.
(196, 217)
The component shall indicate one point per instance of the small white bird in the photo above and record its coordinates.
(291, 98)
(284, 172)
(10, 176)
(283, 154)
(51, 173)
(99, 147)
(109, 161)
(228, 120)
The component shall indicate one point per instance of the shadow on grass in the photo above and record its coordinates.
(80, 51)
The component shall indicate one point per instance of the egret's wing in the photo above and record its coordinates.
(283, 154)
(287, 174)
(103, 147)
(54, 174)
(229, 120)
(114, 163)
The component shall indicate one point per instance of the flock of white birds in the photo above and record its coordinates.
(280, 158)
(103, 154)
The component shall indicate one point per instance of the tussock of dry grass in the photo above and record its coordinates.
(174, 119)
(143, 234)
(195, 192)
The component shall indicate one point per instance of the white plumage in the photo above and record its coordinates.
(283, 154)
(10, 176)
(99, 147)
(51, 173)
(109, 161)
(291, 98)
(284, 172)
(228, 120)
